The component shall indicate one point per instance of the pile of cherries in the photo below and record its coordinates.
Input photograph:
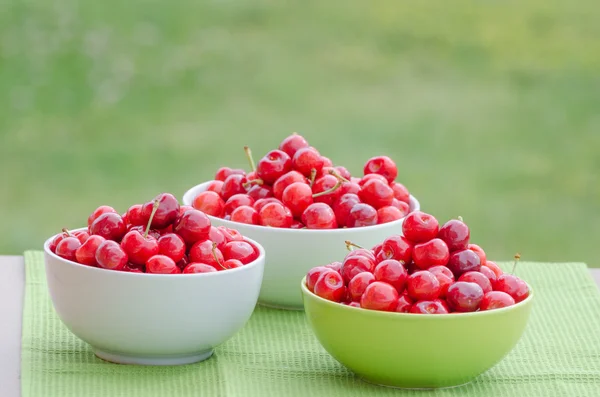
(427, 270)
(159, 236)
(296, 187)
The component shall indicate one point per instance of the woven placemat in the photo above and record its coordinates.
(276, 353)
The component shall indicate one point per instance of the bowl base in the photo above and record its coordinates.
(119, 358)
(280, 307)
(415, 387)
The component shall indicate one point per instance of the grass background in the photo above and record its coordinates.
(491, 110)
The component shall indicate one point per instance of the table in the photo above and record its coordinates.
(12, 284)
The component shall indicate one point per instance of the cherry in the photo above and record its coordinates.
(68, 247)
(292, 144)
(210, 203)
(297, 225)
(376, 193)
(477, 278)
(479, 251)
(445, 278)
(432, 253)
(275, 215)
(362, 215)
(198, 268)
(379, 296)
(359, 252)
(313, 275)
(512, 285)
(57, 239)
(494, 267)
(167, 212)
(103, 209)
(260, 191)
(192, 226)
(234, 184)
(202, 252)
(396, 247)
(392, 272)
(358, 285)
(307, 159)
(183, 263)
(429, 307)
(327, 162)
(216, 236)
(463, 261)
(173, 246)
(240, 250)
(496, 300)
(337, 266)
(455, 234)
(420, 227)
(237, 200)
(245, 214)
(110, 255)
(423, 285)
(262, 202)
(352, 304)
(400, 192)
(319, 216)
(377, 249)
(133, 269)
(273, 165)
(382, 165)
(297, 197)
(361, 182)
(230, 234)
(139, 248)
(330, 286)
(215, 186)
(326, 190)
(286, 180)
(109, 225)
(86, 253)
(135, 216)
(404, 304)
(161, 264)
(224, 172)
(349, 187)
(343, 206)
(389, 214)
(402, 206)
(232, 264)
(183, 209)
(343, 172)
(81, 235)
(489, 273)
(464, 296)
(355, 264)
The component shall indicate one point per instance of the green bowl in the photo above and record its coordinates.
(416, 351)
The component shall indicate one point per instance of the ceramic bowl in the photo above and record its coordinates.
(415, 351)
(292, 253)
(152, 319)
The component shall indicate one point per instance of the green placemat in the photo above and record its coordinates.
(276, 353)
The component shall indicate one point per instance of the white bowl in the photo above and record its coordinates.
(152, 319)
(293, 252)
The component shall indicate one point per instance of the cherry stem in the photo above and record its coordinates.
(350, 245)
(154, 209)
(250, 159)
(214, 252)
(253, 181)
(328, 191)
(338, 176)
(67, 232)
(517, 257)
(313, 175)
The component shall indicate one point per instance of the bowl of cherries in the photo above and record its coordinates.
(158, 285)
(425, 309)
(302, 208)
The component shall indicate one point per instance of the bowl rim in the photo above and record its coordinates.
(382, 314)
(247, 267)
(353, 230)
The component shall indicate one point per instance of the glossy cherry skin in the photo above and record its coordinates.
(240, 250)
(313, 275)
(210, 203)
(285, 181)
(379, 296)
(362, 215)
(396, 247)
(358, 285)
(192, 226)
(237, 200)
(231, 264)
(57, 239)
(343, 172)
(400, 192)
(431, 253)
(392, 272)
(343, 206)
(423, 285)
(86, 253)
(217, 236)
(245, 214)
(327, 162)
(463, 261)
(260, 203)
(370, 177)
(198, 268)
(512, 285)
(292, 144)
(496, 300)
(367, 253)
(330, 286)
(479, 251)
(349, 187)
(135, 216)
(296, 224)
(234, 184)
(356, 264)
(297, 197)
(464, 296)
(167, 212)
(337, 266)
(224, 172)
(103, 209)
(319, 216)
(389, 214)
(323, 184)
(402, 206)
(230, 234)
(139, 248)
(305, 159)
(260, 191)
(109, 225)
(215, 186)
(445, 278)
(161, 264)
(68, 247)
(419, 227)
(382, 165)
(173, 246)
(404, 304)
(377, 194)
(428, 307)
(494, 267)
(275, 215)
(477, 278)
(202, 252)
(455, 234)
(111, 256)
(273, 165)
(489, 273)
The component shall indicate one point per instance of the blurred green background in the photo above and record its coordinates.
(491, 110)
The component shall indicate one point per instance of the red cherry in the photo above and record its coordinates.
(234, 184)
(496, 300)
(306, 159)
(260, 191)
(167, 212)
(103, 209)
(183, 209)
(198, 268)
(404, 304)
(319, 216)
(402, 206)
(330, 286)
(400, 192)
(379, 296)
(297, 197)
(202, 252)
(343, 172)
(343, 206)
(135, 216)
(358, 285)
(389, 214)
(337, 266)
(464, 296)
(326, 190)
(232, 264)
(68, 247)
(57, 239)
(192, 226)
(273, 165)
(313, 275)
(245, 214)
(111, 256)
(494, 267)
(367, 253)
(392, 272)
(377, 194)
(423, 285)
(173, 246)
(479, 251)
(133, 269)
(432, 253)
(183, 262)
(396, 247)
(477, 278)
(275, 215)
(455, 234)
(362, 215)
(237, 200)
(230, 234)
(161, 264)
(215, 186)
(510, 284)
(370, 177)
(138, 247)
(210, 203)
(355, 264)
(240, 250)
(81, 235)
(489, 273)
(327, 162)
(445, 278)
(428, 307)
(154, 233)
(109, 225)
(292, 144)
(224, 172)
(262, 202)
(86, 253)
(351, 304)
(285, 181)
(420, 227)
(382, 165)
(216, 236)
(463, 261)
(349, 187)
(297, 225)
